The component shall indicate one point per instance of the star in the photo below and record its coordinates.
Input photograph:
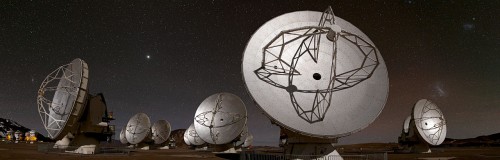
(148, 57)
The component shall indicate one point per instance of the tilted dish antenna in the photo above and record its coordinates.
(69, 100)
(429, 121)
(193, 137)
(138, 129)
(406, 124)
(425, 126)
(220, 118)
(161, 131)
(68, 110)
(316, 75)
(123, 140)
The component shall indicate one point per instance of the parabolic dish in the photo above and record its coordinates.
(193, 137)
(310, 84)
(220, 118)
(161, 131)
(138, 128)
(123, 140)
(429, 121)
(186, 138)
(406, 124)
(68, 101)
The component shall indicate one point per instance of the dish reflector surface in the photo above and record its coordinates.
(220, 118)
(429, 121)
(186, 138)
(193, 137)
(316, 74)
(60, 114)
(123, 140)
(406, 124)
(138, 128)
(161, 131)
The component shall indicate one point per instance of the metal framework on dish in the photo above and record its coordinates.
(309, 37)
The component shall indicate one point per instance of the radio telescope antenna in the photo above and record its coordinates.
(317, 76)
(193, 137)
(138, 129)
(429, 121)
(186, 138)
(220, 118)
(69, 97)
(161, 131)
(123, 140)
(426, 127)
(68, 110)
(406, 124)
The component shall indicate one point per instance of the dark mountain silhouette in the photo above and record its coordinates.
(492, 140)
(178, 135)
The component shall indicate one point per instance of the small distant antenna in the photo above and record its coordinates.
(425, 126)
(138, 128)
(123, 140)
(429, 121)
(161, 131)
(220, 118)
(193, 137)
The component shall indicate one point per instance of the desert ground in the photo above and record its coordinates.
(439, 153)
(31, 152)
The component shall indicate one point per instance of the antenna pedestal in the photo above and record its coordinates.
(413, 145)
(143, 146)
(200, 148)
(306, 147)
(86, 144)
(224, 148)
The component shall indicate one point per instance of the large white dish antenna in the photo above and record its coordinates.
(161, 131)
(123, 140)
(315, 74)
(220, 118)
(138, 128)
(429, 121)
(406, 124)
(193, 137)
(61, 114)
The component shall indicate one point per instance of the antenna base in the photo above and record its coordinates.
(312, 151)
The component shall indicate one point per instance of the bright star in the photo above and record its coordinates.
(148, 57)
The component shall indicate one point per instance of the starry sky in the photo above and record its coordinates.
(165, 57)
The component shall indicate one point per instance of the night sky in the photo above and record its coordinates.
(164, 58)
